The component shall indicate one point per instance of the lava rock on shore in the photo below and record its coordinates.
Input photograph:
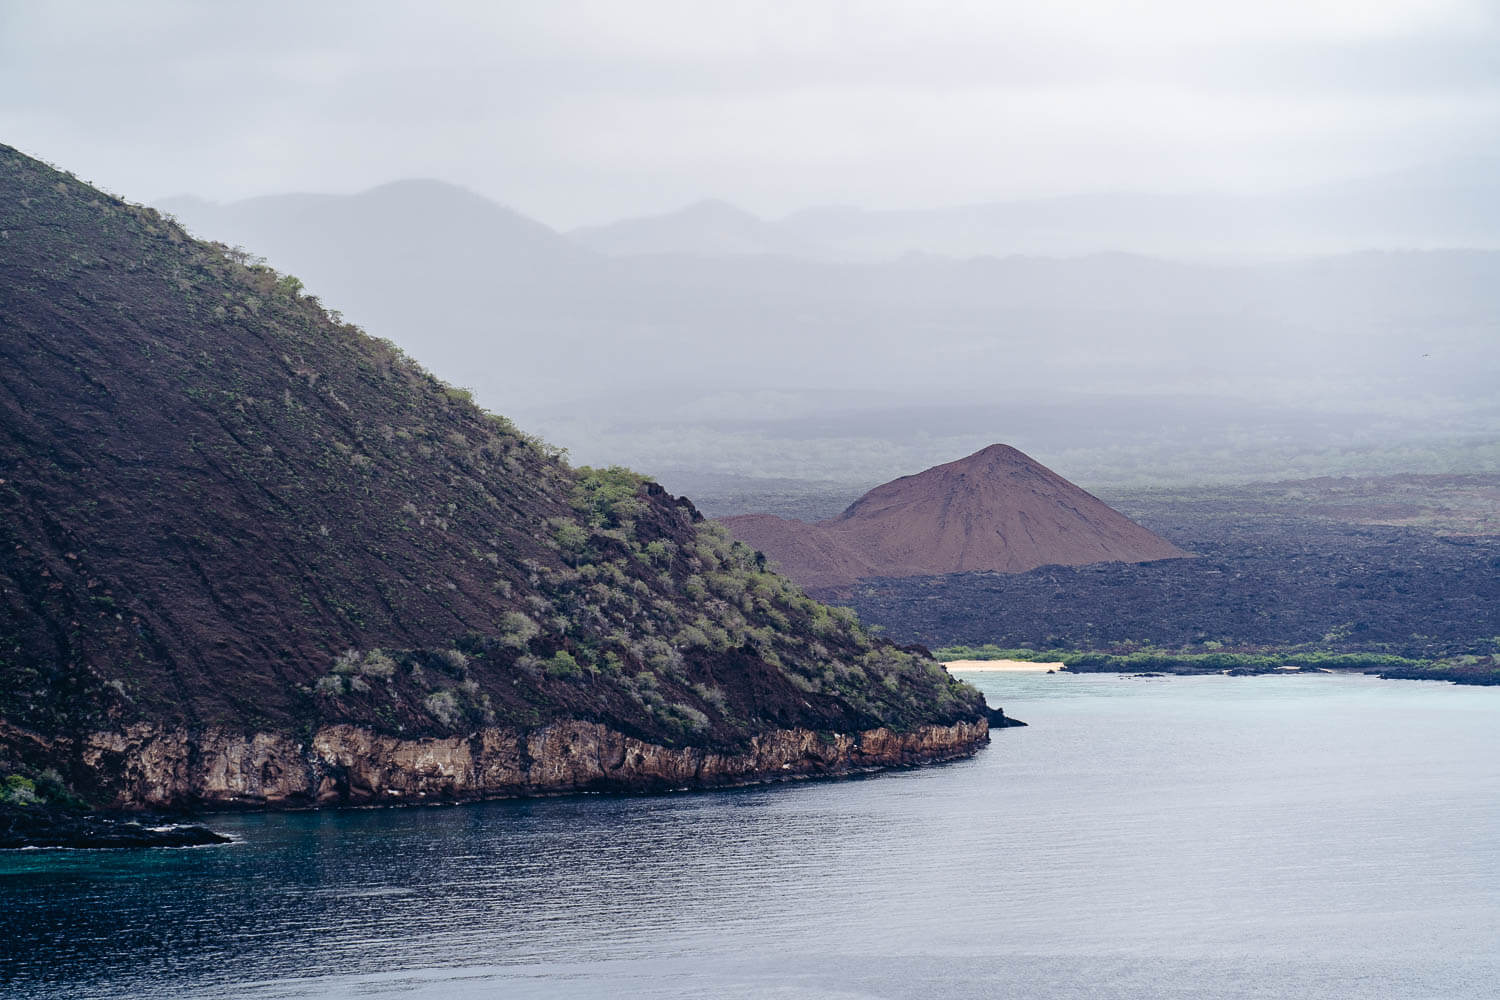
(49, 827)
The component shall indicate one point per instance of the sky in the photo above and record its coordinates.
(577, 112)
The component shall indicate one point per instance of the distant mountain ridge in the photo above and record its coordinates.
(997, 510)
(711, 228)
(1441, 206)
(631, 357)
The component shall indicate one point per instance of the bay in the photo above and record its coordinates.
(1205, 837)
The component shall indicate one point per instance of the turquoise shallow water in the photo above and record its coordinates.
(1195, 837)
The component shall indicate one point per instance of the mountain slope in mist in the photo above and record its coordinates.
(1453, 204)
(768, 363)
(707, 228)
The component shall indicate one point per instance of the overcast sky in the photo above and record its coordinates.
(579, 112)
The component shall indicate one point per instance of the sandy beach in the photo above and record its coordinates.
(1013, 666)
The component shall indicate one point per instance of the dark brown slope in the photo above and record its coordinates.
(996, 510)
(222, 510)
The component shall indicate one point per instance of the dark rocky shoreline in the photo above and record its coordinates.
(159, 774)
(46, 826)
(150, 767)
(999, 720)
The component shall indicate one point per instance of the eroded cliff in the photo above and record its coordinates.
(155, 767)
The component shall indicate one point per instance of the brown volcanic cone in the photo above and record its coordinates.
(996, 510)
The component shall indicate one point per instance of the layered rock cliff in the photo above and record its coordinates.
(236, 532)
(152, 766)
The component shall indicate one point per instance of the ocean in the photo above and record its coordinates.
(1194, 837)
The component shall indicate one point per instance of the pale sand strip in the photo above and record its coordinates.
(1012, 666)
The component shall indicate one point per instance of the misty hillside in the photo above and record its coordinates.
(768, 364)
(433, 261)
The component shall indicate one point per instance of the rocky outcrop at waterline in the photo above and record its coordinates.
(999, 720)
(43, 826)
(156, 767)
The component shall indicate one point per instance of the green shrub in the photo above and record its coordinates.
(570, 536)
(444, 707)
(660, 655)
(563, 666)
(714, 697)
(333, 685)
(608, 497)
(377, 663)
(50, 787)
(685, 717)
(517, 630)
(692, 636)
(19, 790)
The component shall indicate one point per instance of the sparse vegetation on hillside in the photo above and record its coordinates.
(224, 505)
(605, 635)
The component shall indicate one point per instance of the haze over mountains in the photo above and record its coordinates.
(1440, 206)
(711, 343)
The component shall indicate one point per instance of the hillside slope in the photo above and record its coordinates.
(996, 510)
(249, 554)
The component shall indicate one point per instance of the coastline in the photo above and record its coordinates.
(158, 775)
(156, 767)
(1004, 666)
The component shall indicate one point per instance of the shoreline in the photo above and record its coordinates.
(166, 779)
(1005, 666)
(150, 766)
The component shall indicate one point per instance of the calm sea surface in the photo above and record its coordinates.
(1196, 838)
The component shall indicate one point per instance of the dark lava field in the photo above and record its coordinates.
(1277, 565)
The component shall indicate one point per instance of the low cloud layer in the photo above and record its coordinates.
(584, 112)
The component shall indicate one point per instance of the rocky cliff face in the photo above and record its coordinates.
(150, 766)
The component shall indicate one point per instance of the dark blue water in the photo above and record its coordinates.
(1204, 837)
